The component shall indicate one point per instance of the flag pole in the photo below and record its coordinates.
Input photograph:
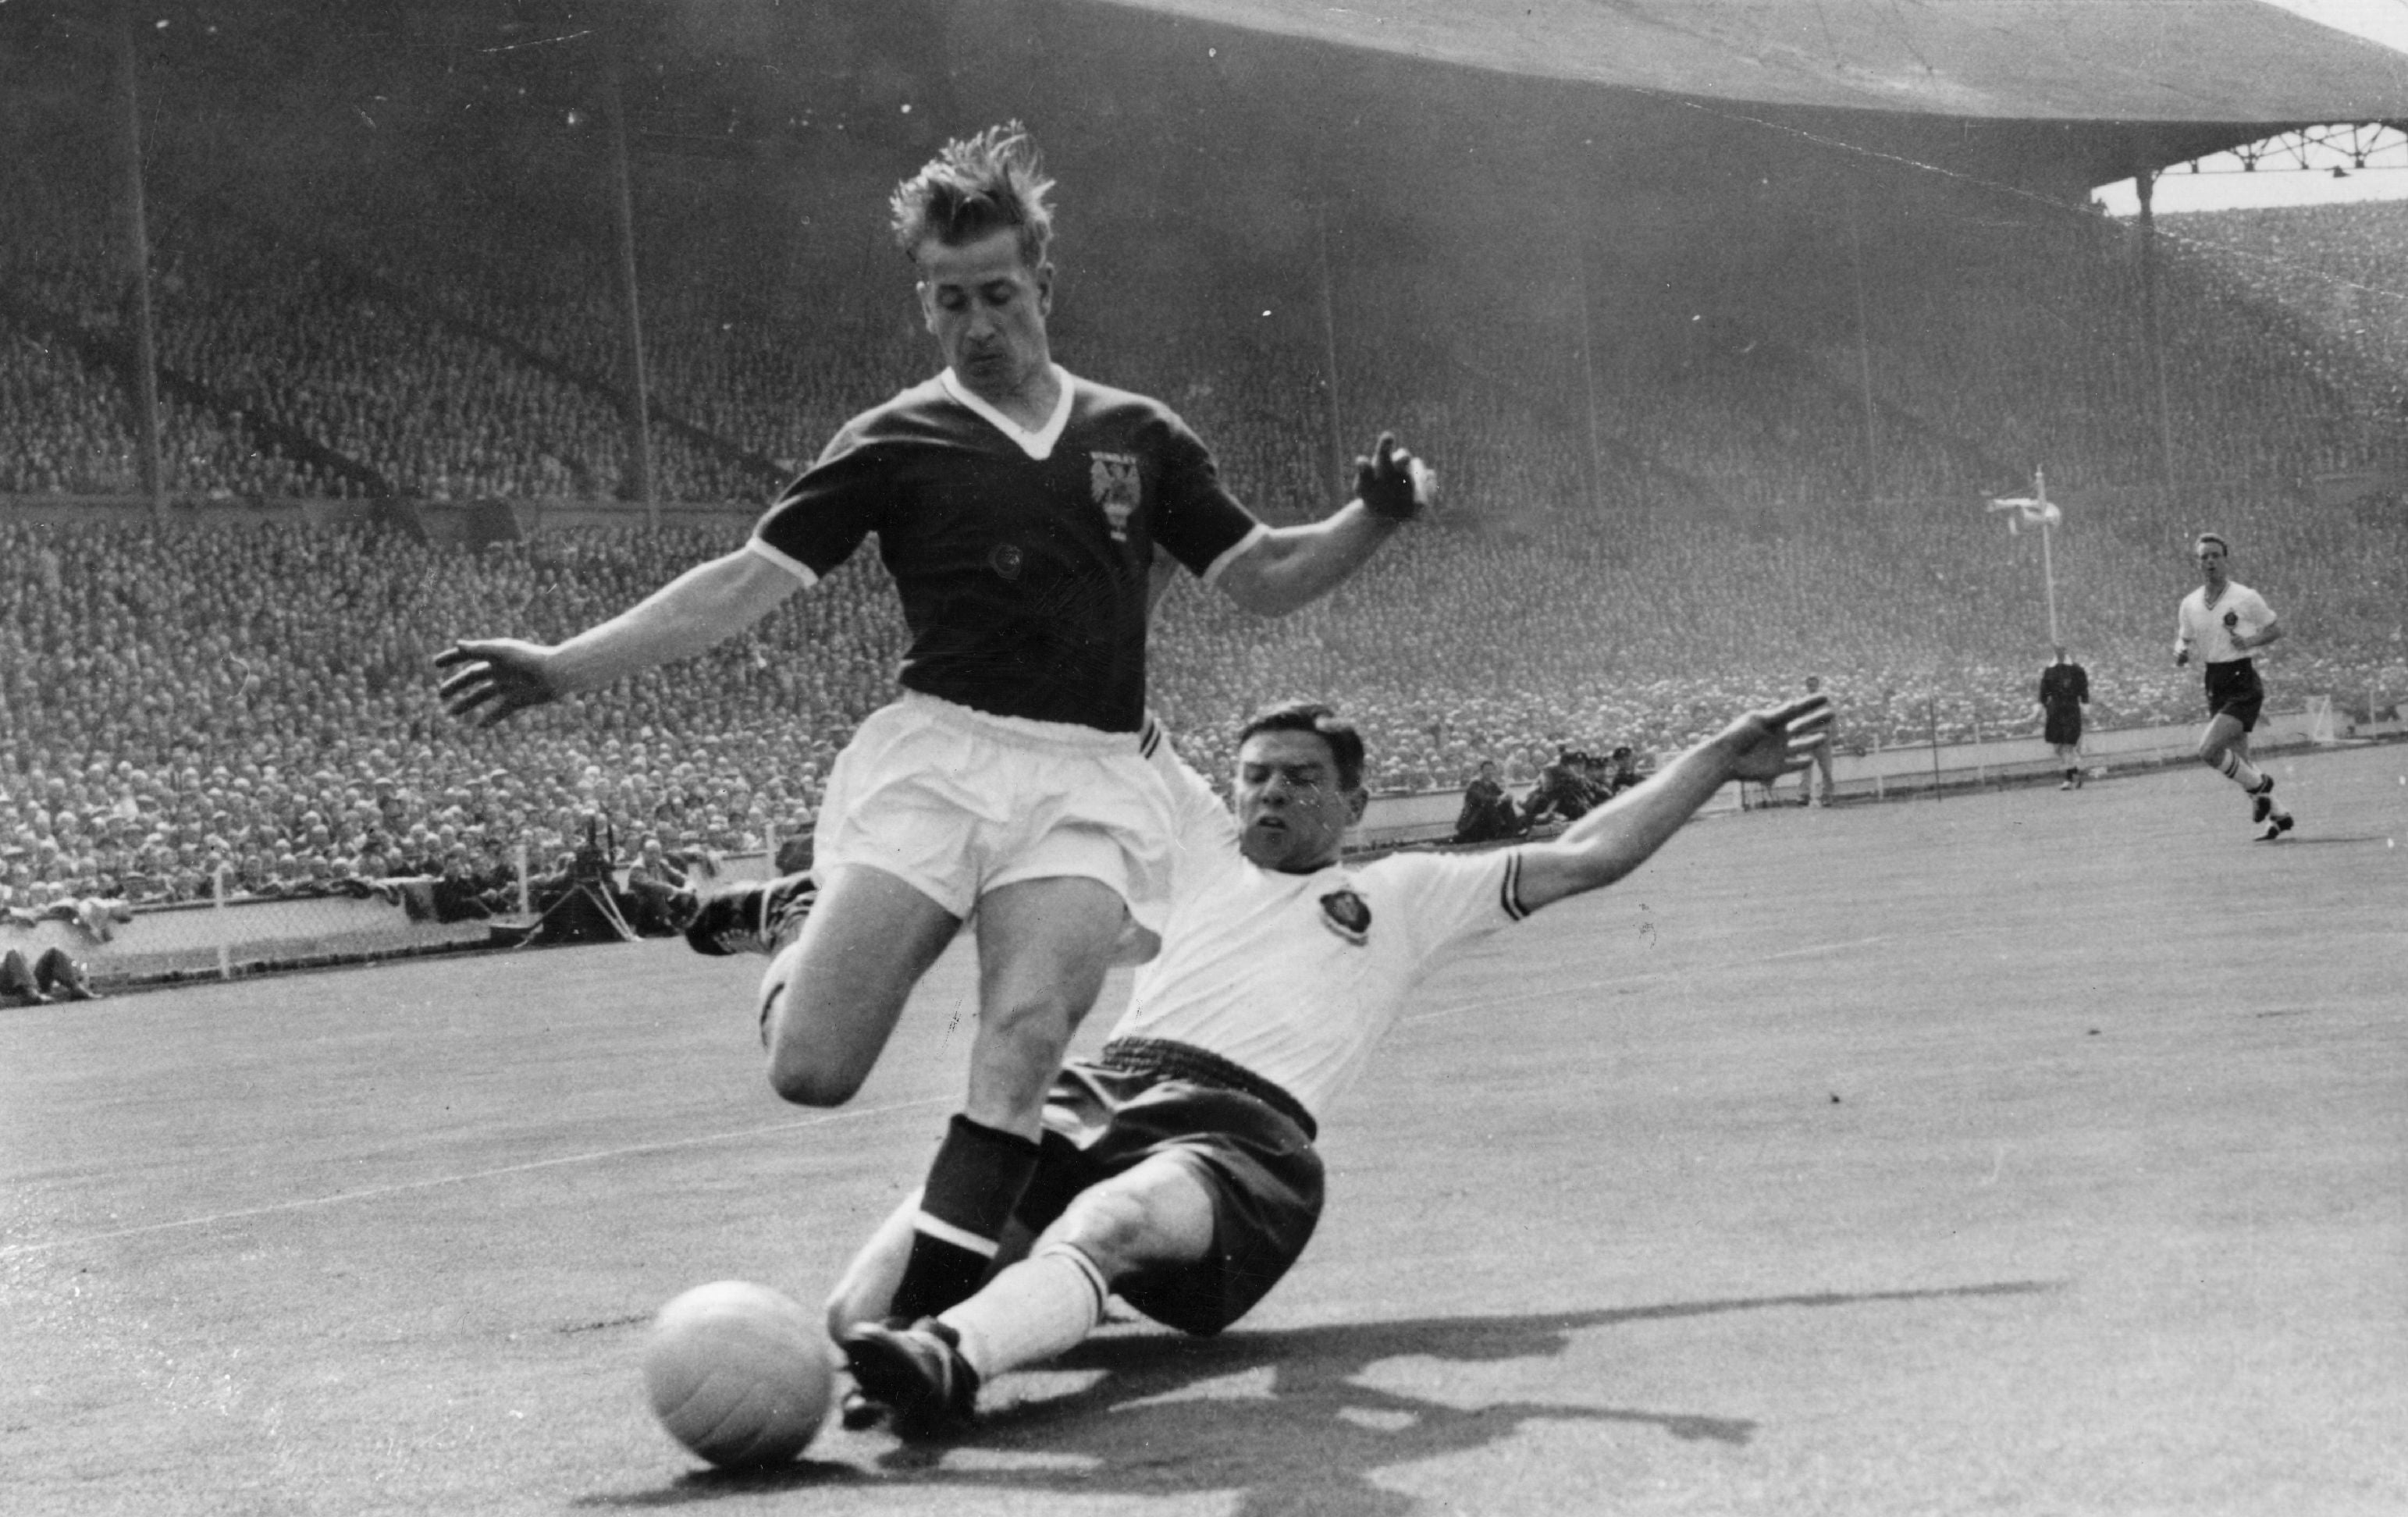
(2047, 560)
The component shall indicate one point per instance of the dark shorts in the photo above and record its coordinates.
(2233, 690)
(2064, 727)
(1256, 1161)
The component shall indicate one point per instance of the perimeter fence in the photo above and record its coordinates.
(231, 935)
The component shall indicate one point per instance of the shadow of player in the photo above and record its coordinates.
(1311, 1439)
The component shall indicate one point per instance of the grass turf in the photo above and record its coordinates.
(2023, 1152)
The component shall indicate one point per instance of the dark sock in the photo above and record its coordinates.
(972, 1188)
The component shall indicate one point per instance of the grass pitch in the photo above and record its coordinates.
(2024, 1151)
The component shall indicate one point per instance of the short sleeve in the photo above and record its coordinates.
(1450, 899)
(1200, 523)
(818, 521)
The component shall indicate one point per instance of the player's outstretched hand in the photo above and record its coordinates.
(1392, 482)
(1781, 739)
(492, 678)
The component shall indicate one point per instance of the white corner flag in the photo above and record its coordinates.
(2032, 510)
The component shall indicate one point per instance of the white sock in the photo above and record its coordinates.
(1045, 1305)
(2239, 770)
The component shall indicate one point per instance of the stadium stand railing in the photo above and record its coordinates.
(156, 946)
(190, 941)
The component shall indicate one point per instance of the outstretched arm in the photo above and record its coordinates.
(492, 678)
(1618, 836)
(1293, 566)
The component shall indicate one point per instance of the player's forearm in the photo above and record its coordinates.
(704, 606)
(1294, 567)
(1624, 832)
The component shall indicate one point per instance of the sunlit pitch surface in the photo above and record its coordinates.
(2029, 1150)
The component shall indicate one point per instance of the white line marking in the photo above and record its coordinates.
(14, 1250)
(1819, 948)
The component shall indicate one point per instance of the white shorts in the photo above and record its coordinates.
(956, 802)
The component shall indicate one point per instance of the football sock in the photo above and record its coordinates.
(1045, 1305)
(973, 1186)
(2239, 770)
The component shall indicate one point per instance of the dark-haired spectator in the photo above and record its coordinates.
(1488, 813)
(1562, 792)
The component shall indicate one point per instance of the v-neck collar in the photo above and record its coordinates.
(1038, 444)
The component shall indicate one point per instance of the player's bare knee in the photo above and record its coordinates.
(804, 1080)
(1110, 1226)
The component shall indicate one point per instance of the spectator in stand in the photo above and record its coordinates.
(53, 977)
(1562, 791)
(1488, 813)
(1618, 773)
(658, 903)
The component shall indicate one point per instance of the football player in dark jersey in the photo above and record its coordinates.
(1020, 510)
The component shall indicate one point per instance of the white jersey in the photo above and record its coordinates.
(1296, 975)
(2200, 629)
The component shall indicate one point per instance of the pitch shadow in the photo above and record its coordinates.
(1311, 1440)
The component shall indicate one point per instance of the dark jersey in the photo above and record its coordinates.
(1022, 577)
(2063, 687)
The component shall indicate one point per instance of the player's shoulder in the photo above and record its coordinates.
(928, 403)
(914, 412)
(1445, 895)
(1414, 869)
(1102, 403)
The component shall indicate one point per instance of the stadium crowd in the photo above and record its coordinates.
(1631, 545)
(184, 700)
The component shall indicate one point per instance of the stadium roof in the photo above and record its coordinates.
(2231, 62)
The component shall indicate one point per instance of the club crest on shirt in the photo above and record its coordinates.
(1113, 479)
(1347, 914)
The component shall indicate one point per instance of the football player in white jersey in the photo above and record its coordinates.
(2223, 620)
(1179, 1170)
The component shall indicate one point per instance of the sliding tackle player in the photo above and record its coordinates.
(1178, 1165)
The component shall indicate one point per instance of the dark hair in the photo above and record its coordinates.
(977, 185)
(2215, 538)
(1345, 743)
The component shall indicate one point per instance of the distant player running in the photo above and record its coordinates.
(1178, 1167)
(1020, 510)
(2223, 620)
